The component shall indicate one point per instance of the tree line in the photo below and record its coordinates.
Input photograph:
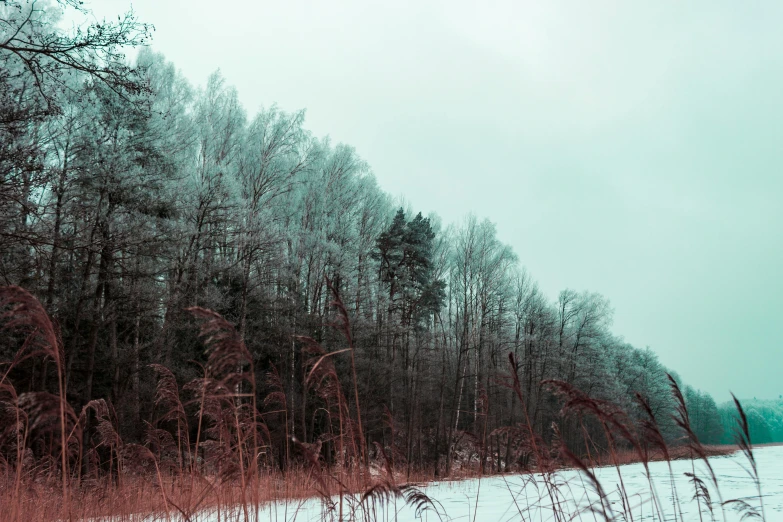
(764, 417)
(128, 196)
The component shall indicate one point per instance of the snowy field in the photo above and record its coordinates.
(526, 498)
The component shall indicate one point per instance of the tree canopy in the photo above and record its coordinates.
(128, 196)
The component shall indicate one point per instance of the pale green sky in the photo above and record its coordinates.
(629, 148)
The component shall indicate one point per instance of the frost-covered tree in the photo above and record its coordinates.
(127, 195)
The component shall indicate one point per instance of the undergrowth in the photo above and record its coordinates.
(207, 451)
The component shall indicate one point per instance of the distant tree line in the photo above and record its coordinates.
(765, 420)
(127, 195)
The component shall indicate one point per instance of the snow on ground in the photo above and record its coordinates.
(526, 497)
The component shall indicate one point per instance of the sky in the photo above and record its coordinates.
(629, 148)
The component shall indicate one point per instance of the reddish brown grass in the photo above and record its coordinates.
(226, 468)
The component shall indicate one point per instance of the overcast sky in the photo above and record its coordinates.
(629, 148)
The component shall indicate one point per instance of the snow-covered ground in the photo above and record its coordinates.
(527, 498)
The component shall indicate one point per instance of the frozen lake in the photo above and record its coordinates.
(526, 498)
